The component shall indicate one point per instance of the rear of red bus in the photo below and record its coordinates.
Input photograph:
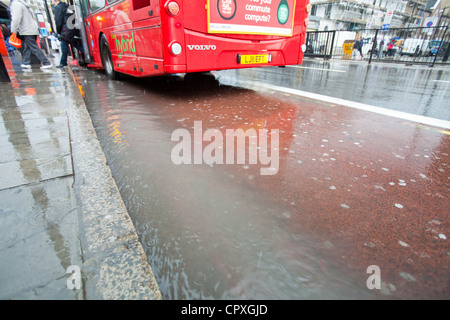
(205, 35)
(148, 38)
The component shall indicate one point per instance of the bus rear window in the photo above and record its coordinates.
(95, 5)
(139, 4)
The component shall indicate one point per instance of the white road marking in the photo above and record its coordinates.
(321, 69)
(361, 106)
(445, 81)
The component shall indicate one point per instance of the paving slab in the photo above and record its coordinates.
(64, 230)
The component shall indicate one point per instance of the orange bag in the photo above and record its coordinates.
(14, 41)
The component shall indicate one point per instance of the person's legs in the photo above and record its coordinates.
(64, 53)
(26, 53)
(79, 47)
(31, 45)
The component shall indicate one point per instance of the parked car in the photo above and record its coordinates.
(431, 47)
(413, 47)
(444, 49)
(436, 47)
(367, 45)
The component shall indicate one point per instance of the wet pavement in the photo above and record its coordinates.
(353, 189)
(418, 90)
(64, 230)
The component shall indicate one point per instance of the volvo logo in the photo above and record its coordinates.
(201, 47)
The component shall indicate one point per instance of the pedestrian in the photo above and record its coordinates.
(390, 51)
(67, 34)
(358, 46)
(24, 25)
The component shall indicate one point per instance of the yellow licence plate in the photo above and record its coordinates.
(254, 58)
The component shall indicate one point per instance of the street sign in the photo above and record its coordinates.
(388, 17)
(430, 22)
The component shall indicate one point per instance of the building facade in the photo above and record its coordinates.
(353, 15)
(38, 7)
(440, 9)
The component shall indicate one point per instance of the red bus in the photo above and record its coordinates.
(154, 37)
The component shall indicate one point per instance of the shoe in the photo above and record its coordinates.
(26, 66)
(46, 66)
(62, 66)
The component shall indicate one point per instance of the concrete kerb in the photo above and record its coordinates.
(115, 265)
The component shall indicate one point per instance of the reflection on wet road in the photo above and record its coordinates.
(354, 189)
(417, 90)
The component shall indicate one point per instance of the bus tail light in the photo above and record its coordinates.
(175, 48)
(173, 8)
(308, 8)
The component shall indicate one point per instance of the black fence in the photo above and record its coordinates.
(320, 44)
(403, 45)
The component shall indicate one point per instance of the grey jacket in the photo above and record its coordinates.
(22, 19)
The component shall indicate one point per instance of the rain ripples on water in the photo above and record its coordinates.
(225, 231)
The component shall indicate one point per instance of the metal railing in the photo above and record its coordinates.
(320, 44)
(422, 45)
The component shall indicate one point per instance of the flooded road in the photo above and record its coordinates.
(352, 190)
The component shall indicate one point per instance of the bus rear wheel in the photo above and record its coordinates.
(107, 61)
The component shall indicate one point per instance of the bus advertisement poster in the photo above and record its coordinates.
(265, 17)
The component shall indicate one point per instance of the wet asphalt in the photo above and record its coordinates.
(353, 189)
(415, 89)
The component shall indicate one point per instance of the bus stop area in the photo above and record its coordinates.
(64, 231)
(414, 46)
